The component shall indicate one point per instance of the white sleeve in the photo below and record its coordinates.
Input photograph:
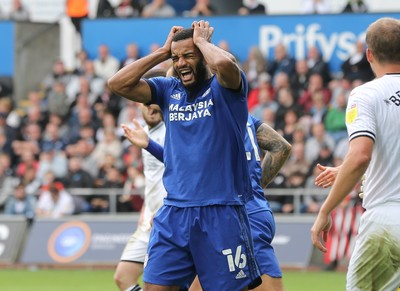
(360, 115)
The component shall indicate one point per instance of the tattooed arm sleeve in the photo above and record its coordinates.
(277, 152)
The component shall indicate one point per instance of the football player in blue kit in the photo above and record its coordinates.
(277, 150)
(203, 227)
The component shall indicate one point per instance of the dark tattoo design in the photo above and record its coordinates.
(277, 152)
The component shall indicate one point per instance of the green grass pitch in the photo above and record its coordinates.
(102, 280)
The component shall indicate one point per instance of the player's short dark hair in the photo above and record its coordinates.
(183, 34)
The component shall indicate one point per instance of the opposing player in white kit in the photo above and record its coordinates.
(372, 120)
(130, 266)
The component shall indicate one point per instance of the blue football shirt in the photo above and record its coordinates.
(259, 203)
(204, 154)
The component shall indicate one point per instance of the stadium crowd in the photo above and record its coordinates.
(65, 134)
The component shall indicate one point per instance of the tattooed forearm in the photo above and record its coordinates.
(277, 152)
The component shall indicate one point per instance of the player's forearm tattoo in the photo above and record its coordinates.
(277, 152)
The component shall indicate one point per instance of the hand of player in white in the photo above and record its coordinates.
(137, 136)
(327, 177)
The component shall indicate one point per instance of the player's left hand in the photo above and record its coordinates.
(202, 30)
(321, 227)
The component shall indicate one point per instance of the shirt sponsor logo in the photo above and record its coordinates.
(351, 114)
(190, 112)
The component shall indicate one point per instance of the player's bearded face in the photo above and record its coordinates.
(188, 63)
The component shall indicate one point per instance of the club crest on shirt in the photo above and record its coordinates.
(351, 113)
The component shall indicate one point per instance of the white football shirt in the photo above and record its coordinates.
(373, 111)
(154, 191)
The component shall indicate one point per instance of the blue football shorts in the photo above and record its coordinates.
(211, 241)
(263, 230)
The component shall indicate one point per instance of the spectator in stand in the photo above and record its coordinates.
(263, 83)
(95, 83)
(133, 189)
(357, 66)
(316, 141)
(81, 115)
(77, 177)
(280, 81)
(109, 161)
(108, 122)
(290, 121)
(296, 180)
(355, 6)
(252, 7)
(20, 203)
(254, 65)
(335, 119)
(54, 160)
(296, 161)
(132, 54)
(58, 73)
(83, 144)
(265, 100)
(201, 8)
(316, 64)
(113, 179)
(299, 80)
(80, 58)
(84, 89)
(7, 178)
(55, 202)
(158, 8)
(315, 7)
(268, 117)
(5, 138)
(318, 108)
(109, 145)
(57, 100)
(104, 9)
(282, 62)
(128, 8)
(19, 12)
(29, 141)
(105, 65)
(286, 102)
(108, 100)
(315, 84)
(77, 10)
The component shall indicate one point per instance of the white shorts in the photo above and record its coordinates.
(136, 248)
(375, 262)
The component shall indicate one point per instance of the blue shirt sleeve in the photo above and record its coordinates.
(158, 87)
(156, 150)
(256, 122)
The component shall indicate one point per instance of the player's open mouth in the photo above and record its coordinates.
(186, 75)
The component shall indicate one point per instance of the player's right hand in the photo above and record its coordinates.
(320, 230)
(327, 177)
(168, 42)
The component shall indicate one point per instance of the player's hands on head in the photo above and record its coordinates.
(202, 30)
(327, 177)
(168, 42)
(137, 136)
(320, 229)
